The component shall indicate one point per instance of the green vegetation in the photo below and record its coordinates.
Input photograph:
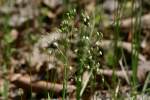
(94, 54)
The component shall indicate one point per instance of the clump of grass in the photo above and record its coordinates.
(116, 50)
(136, 30)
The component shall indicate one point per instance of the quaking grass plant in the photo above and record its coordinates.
(86, 47)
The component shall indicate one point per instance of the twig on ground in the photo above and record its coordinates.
(127, 23)
(38, 86)
(124, 71)
(143, 68)
(125, 45)
(109, 72)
